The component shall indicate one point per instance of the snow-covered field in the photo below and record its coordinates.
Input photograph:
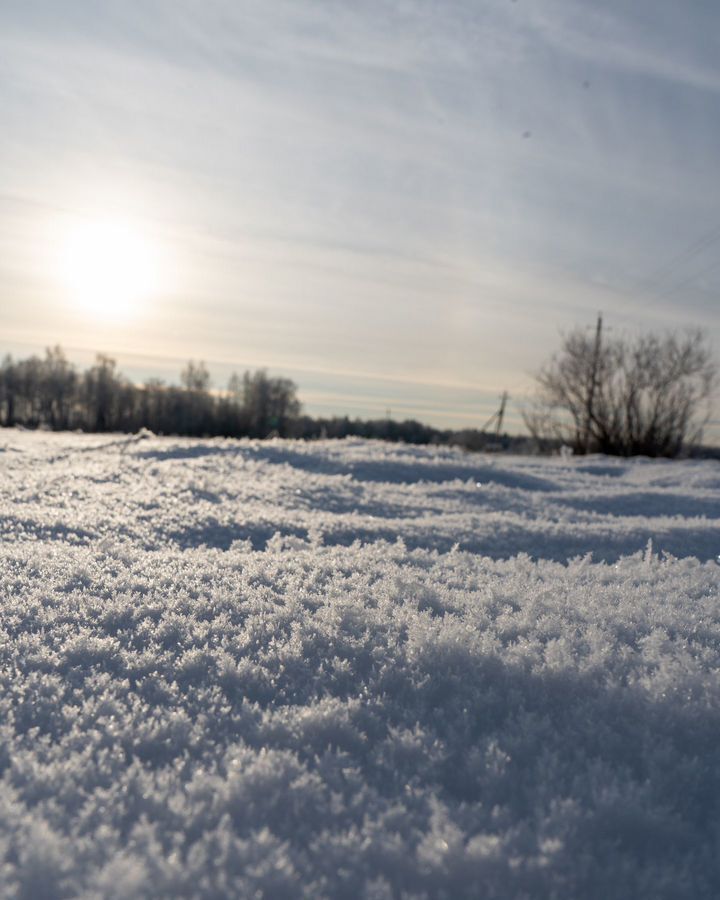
(350, 669)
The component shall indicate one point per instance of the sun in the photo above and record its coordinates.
(109, 268)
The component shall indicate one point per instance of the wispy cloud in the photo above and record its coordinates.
(417, 189)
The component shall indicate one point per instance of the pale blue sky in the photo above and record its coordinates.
(399, 204)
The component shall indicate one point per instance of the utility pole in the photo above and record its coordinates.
(501, 414)
(498, 416)
(592, 383)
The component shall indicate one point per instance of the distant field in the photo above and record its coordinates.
(355, 670)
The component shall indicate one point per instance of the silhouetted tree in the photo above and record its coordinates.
(194, 407)
(8, 391)
(195, 377)
(29, 390)
(100, 394)
(270, 404)
(649, 395)
(59, 384)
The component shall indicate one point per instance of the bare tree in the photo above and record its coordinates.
(195, 376)
(58, 387)
(270, 404)
(100, 388)
(194, 407)
(650, 395)
(8, 390)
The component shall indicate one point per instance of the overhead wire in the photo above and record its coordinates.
(662, 276)
(671, 289)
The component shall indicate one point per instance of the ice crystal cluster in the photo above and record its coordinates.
(355, 670)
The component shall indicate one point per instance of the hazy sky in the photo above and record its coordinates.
(399, 204)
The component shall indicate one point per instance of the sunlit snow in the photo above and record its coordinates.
(352, 669)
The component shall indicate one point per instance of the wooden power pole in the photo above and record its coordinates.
(592, 383)
(501, 413)
(497, 417)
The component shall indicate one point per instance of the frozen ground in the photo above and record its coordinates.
(339, 670)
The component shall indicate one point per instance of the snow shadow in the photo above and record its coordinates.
(383, 471)
(223, 536)
(605, 471)
(196, 451)
(409, 473)
(504, 544)
(646, 503)
(17, 528)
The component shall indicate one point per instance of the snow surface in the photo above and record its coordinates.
(353, 669)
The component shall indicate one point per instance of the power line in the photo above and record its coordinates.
(667, 269)
(676, 287)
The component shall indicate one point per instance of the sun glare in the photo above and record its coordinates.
(109, 268)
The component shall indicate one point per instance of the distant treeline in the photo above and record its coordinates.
(49, 392)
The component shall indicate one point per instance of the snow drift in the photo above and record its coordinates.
(355, 670)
